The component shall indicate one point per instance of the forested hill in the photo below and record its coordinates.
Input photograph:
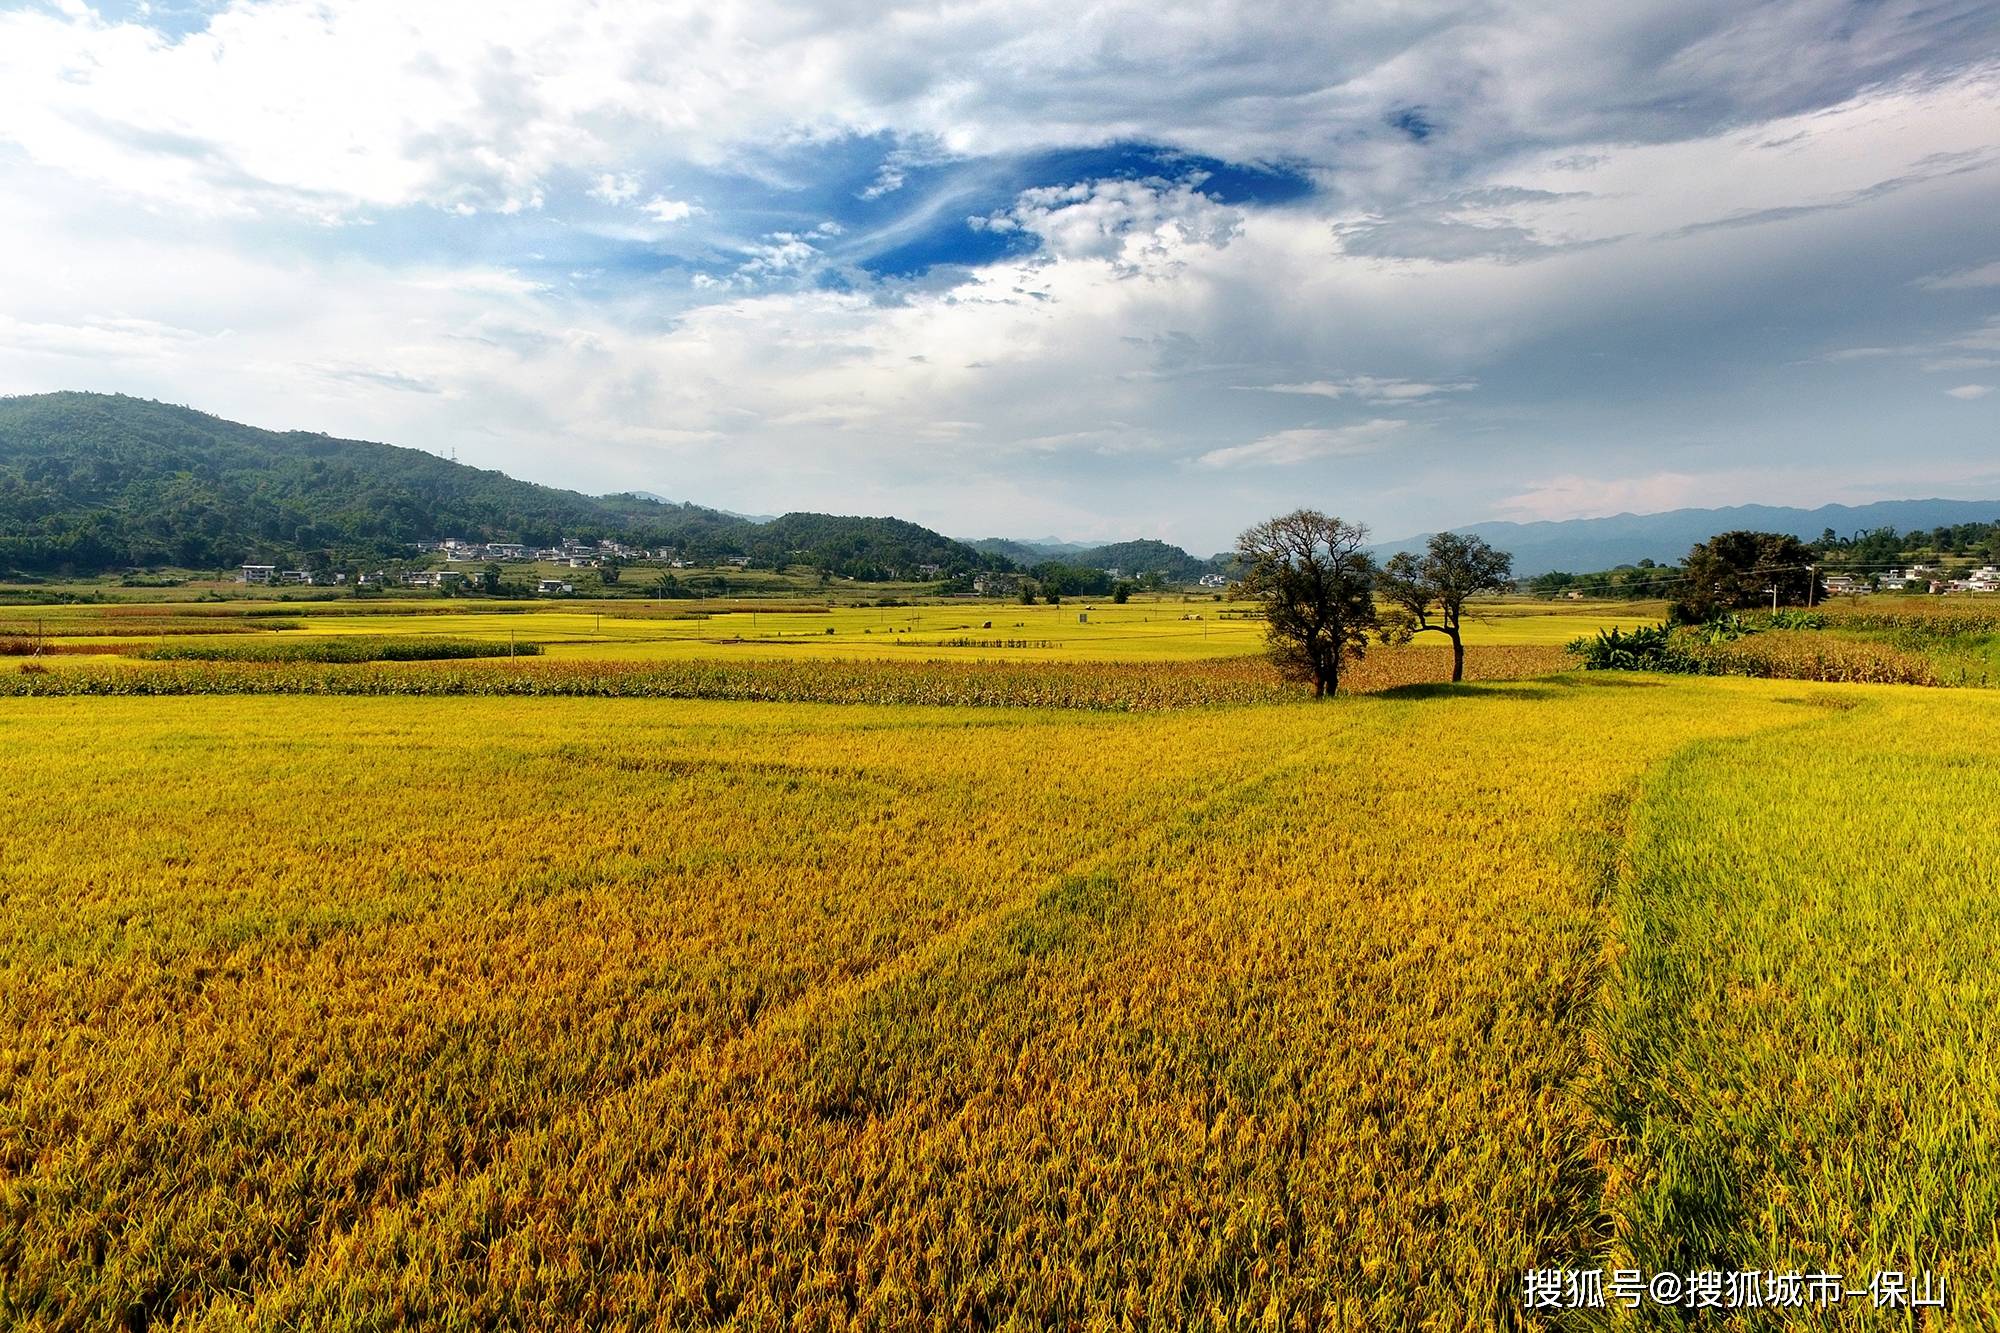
(1143, 557)
(1136, 557)
(93, 482)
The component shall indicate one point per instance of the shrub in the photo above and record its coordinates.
(1649, 648)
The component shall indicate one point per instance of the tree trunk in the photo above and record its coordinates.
(1457, 658)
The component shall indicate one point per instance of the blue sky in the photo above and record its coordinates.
(1102, 270)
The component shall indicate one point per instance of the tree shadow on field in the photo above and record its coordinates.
(1471, 689)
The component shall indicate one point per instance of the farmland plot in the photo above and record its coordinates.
(638, 1012)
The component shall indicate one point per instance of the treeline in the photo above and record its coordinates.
(1633, 582)
(1862, 555)
(1886, 546)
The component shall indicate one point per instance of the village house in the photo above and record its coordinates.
(435, 578)
(257, 574)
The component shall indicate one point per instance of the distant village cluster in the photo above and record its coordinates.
(569, 551)
(1918, 578)
(569, 554)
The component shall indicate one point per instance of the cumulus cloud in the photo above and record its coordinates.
(1628, 228)
(1139, 223)
(295, 104)
(618, 188)
(662, 209)
(1968, 392)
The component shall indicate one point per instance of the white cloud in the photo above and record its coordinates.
(1573, 496)
(1369, 388)
(1968, 392)
(299, 106)
(111, 338)
(1139, 223)
(619, 188)
(780, 253)
(669, 210)
(1286, 447)
(151, 190)
(1577, 495)
(1984, 275)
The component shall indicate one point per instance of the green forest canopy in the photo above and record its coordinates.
(96, 482)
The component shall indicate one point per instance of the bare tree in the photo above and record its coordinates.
(1317, 586)
(1438, 582)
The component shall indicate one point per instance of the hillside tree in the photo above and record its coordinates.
(1429, 590)
(1316, 582)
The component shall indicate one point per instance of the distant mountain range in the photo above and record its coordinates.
(1584, 545)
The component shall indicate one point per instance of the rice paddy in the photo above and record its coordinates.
(681, 991)
(1162, 630)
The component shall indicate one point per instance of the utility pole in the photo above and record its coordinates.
(1773, 590)
(1812, 578)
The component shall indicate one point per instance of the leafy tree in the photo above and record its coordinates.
(609, 568)
(1121, 592)
(1317, 586)
(1072, 580)
(1431, 589)
(1733, 570)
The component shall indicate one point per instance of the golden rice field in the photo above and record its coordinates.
(1151, 630)
(550, 1013)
